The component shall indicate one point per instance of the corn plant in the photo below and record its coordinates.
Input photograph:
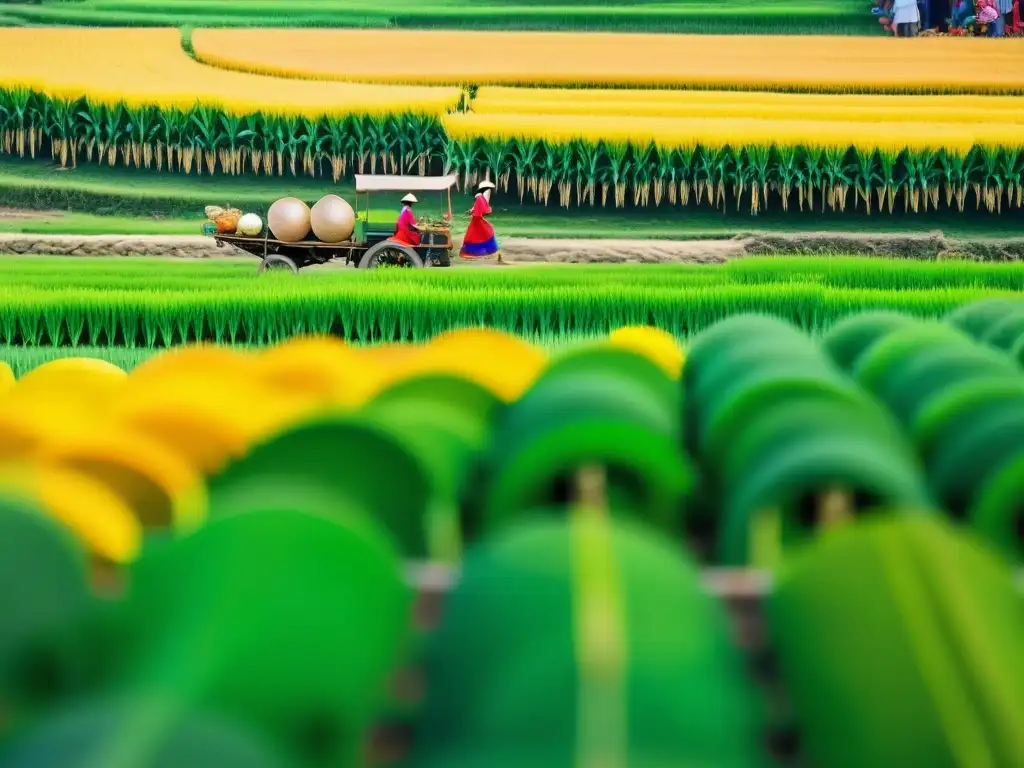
(640, 172)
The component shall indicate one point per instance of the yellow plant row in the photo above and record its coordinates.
(148, 67)
(95, 445)
(804, 63)
(874, 108)
(881, 114)
(497, 94)
(737, 132)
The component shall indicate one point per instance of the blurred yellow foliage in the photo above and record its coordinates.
(653, 343)
(138, 447)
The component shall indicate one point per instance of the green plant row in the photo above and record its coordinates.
(207, 141)
(680, 16)
(100, 189)
(33, 317)
(753, 177)
(23, 359)
(204, 141)
(846, 272)
(887, 411)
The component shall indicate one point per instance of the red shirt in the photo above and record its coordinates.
(479, 230)
(403, 233)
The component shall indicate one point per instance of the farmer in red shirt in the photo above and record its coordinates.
(406, 231)
(480, 241)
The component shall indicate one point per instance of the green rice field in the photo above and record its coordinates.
(735, 17)
(120, 308)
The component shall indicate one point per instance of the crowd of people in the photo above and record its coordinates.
(909, 18)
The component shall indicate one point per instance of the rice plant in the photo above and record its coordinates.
(24, 359)
(170, 304)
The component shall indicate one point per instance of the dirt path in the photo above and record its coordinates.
(515, 250)
(529, 250)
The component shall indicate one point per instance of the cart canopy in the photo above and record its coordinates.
(383, 183)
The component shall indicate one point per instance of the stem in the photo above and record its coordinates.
(835, 507)
(591, 488)
(599, 632)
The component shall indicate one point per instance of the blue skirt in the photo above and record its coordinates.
(488, 247)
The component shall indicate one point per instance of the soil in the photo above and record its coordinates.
(20, 214)
(532, 251)
(189, 247)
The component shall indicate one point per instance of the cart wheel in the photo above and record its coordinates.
(439, 257)
(276, 263)
(390, 254)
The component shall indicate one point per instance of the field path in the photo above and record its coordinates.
(514, 249)
(571, 251)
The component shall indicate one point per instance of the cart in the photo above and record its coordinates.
(371, 245)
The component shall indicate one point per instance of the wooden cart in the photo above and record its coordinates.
(370, 245)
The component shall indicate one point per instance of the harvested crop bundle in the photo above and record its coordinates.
(332, 219)
(227, 221)
(289, 219)
(250, 225)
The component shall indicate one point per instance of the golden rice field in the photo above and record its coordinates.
(715, 133)
(868, 108)
(806, 63)
(141, 67)
(675, 112)
(497, 94)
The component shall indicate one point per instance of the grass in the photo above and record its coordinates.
(152, 274)
(94, 199)
(70, 223)
(98, 189)
(147, 303)
(736, 17)
(23, 359)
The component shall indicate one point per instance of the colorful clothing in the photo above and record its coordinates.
(906, 12)
(403, 229)
(479, 241)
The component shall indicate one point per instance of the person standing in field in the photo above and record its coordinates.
(406, 231)
(1005, 8)
(907, 18)
(480, 241)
